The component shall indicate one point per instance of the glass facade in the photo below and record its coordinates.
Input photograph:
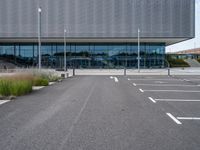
(92, 55)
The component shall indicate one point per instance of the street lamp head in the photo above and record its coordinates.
(65, 30)
(39, 9)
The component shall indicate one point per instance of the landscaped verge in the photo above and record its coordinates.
(22, 83)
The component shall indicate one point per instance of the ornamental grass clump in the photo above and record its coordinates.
(22, 87)
(13, 87)
(39, 81)
(50, 76)
(22, 83)
(5, 87)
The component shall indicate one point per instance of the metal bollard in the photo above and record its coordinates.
(168, 71)
(73, 71)
(124, 71)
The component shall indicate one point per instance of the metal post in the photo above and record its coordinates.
(125, 71)
(168, 67)
(39, 37)
(65, 65)
(125, 65)
(73, 71)
(138, 50)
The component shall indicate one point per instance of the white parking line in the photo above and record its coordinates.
(160, 82)
(174, 118)
(116, 80)
(141, 90)
(184, 91)
(192, 79)
(155, 79)
(134, 84)
(3, 101)
(152, 99)
(186, 80)
(178, 100)
(168, 85)
(111, 77)
(188, 118)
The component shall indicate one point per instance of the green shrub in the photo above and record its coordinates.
(198, 60)
(39, 81)
(19, 88)
(5, 87)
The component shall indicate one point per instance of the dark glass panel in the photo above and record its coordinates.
(100, 56)
(117, 56)
(26, 55)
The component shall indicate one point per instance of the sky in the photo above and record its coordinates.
(193, 43)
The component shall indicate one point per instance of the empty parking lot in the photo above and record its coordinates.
(179, 96)
(106, 113)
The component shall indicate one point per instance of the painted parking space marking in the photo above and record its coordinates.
(178, 100)
(183, 91)
(186, 80)
(116, 79)
(152, 99)
(155, 79)
(3, 101)
(192, 79)
(174, 118)
(160, 82)
(141, 90)
(134, 84)
(174, 85)
(188, 118)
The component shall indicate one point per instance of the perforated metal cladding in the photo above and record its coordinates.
(98, 18)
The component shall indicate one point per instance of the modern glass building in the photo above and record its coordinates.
(100, 33)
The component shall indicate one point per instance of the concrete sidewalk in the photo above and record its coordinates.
(173, 71)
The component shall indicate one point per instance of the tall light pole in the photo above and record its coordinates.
(65, 65)
(39, 37)
(138, 50)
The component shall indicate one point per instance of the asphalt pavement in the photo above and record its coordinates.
(105, 113)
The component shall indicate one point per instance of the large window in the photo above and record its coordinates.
(92, 55)
(100, 56)
(117, 55)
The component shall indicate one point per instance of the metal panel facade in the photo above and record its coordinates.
(98, 18)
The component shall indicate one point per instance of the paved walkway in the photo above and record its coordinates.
(173, 71)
